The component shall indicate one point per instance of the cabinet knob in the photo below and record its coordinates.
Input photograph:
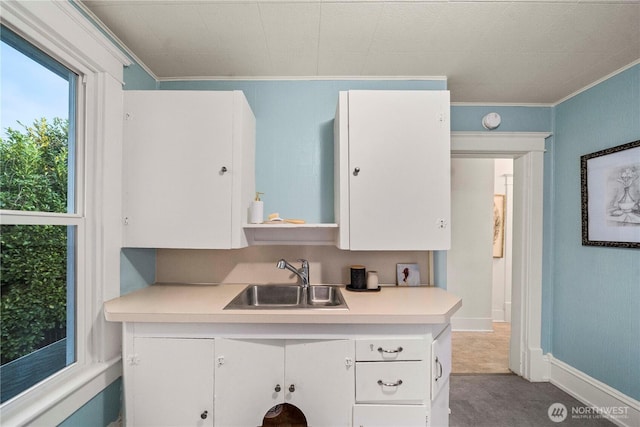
(356, 171)
(223, 170)
(204, 415)
(278, 388)
(292, 388)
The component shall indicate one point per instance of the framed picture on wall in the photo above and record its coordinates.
(610, 187)
(498, 225)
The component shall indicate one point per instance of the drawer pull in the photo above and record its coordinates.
(383, 350)
(396, 384)
(440, 371)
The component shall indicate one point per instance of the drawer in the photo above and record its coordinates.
(397, 382)
(389, 415)
(377, 350)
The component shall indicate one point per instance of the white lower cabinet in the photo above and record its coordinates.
(201, 375)
(252, 376)
(440, 407)
(170, 383)
(389, 415)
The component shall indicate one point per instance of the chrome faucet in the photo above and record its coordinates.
(302, 272)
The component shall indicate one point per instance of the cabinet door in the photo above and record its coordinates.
(175, 146)
(322, 374)
(399, 170)
(440, 407)
(172, 383)
(441, 362)
(247, 375)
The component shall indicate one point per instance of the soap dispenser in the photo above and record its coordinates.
(256, 214)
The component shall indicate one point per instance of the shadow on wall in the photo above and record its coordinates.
(137, 269)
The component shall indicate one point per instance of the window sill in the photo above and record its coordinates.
(57, 398)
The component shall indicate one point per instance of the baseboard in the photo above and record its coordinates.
(498, 315)
(479, 324)
(597, 396)
(507, 311)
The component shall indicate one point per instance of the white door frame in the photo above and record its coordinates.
(527, 150)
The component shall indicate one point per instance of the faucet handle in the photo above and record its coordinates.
(304, 262)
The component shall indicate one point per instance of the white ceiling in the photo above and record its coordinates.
(491, 51)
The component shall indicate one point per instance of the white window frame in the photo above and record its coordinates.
(62, 32)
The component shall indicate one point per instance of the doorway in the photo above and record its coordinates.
(525, 352)
(479, 263)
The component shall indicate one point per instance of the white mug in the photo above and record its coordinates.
(372, 280)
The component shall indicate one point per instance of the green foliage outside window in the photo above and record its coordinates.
(33, 258)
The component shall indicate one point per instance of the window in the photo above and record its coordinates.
(90, 222)
(41, 223)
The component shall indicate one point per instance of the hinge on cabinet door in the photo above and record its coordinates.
(133, 359)
(441, 117)
(220, 361)
(125, 220)
(127, 116)
(348, 362)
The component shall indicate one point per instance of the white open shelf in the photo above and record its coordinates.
(291, 234)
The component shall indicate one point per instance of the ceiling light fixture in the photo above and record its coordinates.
(491, 121)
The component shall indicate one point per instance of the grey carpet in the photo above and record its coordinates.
(509, 401)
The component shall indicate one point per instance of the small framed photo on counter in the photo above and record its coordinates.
(408, 275)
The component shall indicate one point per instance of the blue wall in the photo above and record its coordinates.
(294, 134)
(137, 269)
(589, 319)
(595, 299)
(294, 137)
(100, 411)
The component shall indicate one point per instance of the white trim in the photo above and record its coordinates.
(51, 407)
(296, 78)
(526, 358)
(36, 218)
(478, 324)
(597, 82)
(501, 104)
(59, 28)
(118, 44)
(61, 31)
(592, 392)
(497, 144)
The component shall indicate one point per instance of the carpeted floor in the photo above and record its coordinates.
(506, 400)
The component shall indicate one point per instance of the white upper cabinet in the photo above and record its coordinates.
(189, 168)
(392, 170)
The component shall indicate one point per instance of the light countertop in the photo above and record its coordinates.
(204, 304)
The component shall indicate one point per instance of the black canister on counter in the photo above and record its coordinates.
(358, 277)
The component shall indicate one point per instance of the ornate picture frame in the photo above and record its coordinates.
(610, 187)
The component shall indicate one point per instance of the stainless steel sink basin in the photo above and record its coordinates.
(280, 297)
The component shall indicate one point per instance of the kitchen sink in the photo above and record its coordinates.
(255, 297)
